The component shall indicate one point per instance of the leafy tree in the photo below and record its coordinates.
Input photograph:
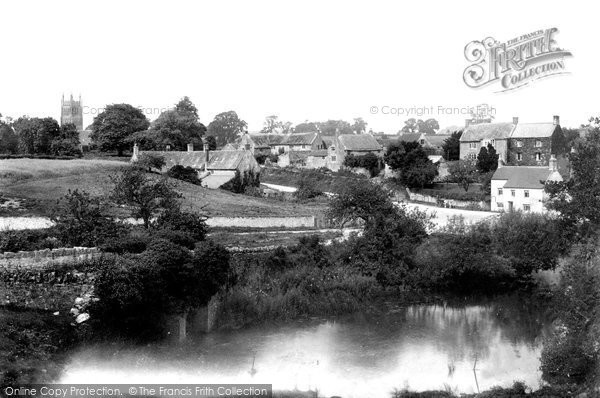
(81, 220)
(67, 143)
(487, 159)
(413, 125)
(331, 127)
(112, 128)
(212, 142)
(369, 161)
(271, 125)
(416, 170)
(151, 161)
(451, 146)
(463, 172)
(145, 194)
(359, 126)
(35, 134)
(187, 174)
(306, 127)
(307, 189)
(176, 127)
(176, 219)
(9, 141)
(359, 200)
(226, 127)
(578, 199)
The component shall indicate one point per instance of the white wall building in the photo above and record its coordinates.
(522, 187)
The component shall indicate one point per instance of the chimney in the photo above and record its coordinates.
(556, 120)
(190, 147)
(553, 163)
(206, 154)
(136, 151)
(515, 120)
(467, 122)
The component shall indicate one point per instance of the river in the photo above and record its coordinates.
(418, 347)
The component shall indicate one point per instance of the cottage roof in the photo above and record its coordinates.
(486, 131)
(218, 160)
(436, 140)
(299, 139)
(534, 130)
(359, 142)
(266, 140)
(409, 137)
(296, 156)
(531, 177)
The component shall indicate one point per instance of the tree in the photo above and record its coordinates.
(307, 189)
(151, 161)
(271, 125)
(370, 162)
(411, 161)
(359, 200)
(113, 127)
(175, 127)
(451, 146)
(35, 134)
(463, 172)
(226, 127)
(578, 199)
(212, 142)
(81, 220)
(9, 141)
(359, 126)
(184, 173)
(487, 159)
(67, 143)
(332, 127)
(146, 194)
(413, 125)
(306, 127)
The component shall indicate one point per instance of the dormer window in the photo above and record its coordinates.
(538, 144)
(519, 144)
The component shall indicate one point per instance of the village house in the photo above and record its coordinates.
(522, 187)
(352, 144)
(258, 144)
(299, 142)
(517, 144)
(214, 168)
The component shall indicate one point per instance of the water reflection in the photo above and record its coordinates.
(421, 347)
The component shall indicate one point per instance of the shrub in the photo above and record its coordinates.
(241, 181)
(177, 220)
(149, 161)
(307, 189)
(27, 240)
(187, 174)
(370, 162)
(260, 158)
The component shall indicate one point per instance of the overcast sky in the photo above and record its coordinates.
(300, 60)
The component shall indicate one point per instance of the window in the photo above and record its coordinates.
(500, 204)
(303, 146)
(422, 141)
(526, 207)
(538, 156)
(499, 191)
(472, 145)
(333, 158)
(512, 192)
(538, 144)
(519, 144)
(519, 157)
(493, 142)
(526, 193)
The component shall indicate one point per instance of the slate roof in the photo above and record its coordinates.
(296, 156)
(486, 131)
(522, 176)
(218, 160)
(299, 139)
(359, 142)
(534, 130)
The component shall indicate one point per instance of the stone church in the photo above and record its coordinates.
(71, 111)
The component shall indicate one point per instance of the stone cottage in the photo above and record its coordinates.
(215, 168)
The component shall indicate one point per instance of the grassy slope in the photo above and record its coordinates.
(42, 182)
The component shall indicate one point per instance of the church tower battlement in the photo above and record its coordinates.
(71, 112)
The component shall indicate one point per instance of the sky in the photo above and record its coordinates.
(300, 60)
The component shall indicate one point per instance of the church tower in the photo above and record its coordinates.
(72, 112)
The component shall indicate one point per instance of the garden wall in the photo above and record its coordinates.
(452, 203)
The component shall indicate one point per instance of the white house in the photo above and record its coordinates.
(522, 187)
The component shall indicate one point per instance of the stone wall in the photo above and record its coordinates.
(262, 222)
(417, 197)
(41, 258)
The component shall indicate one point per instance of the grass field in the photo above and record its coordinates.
(39, 183)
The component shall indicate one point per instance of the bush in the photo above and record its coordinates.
(177, 220)
(132, 243)
(307, 189)
(28, 240)
(187, 174)
(241, 181)
(370, 162)
(260, 158)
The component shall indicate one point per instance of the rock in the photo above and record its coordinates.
(56, 313)
(82, 317)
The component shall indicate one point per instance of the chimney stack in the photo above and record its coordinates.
(553, 163)
(190, 147)
(556, 120)
(515, 120)
(206, 154)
